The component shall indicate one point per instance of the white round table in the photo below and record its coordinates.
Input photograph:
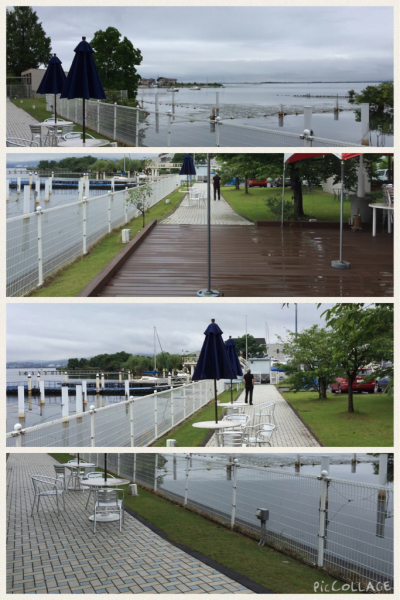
(52, 123)
(78, 143)
(99, 482)
(381, 206)
(74, 466)
(215, 426)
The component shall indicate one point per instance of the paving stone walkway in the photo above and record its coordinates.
(47, 554)
(18, 122)
(221, 213)
(290, 431)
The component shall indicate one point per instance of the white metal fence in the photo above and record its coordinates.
(342, 526)
(135, 422)
(131, 126)
(40, 243)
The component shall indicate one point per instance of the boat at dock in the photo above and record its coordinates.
(195, 88)
(173, 89)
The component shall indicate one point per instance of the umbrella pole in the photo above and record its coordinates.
(231, 391)
(341, 264)
(83, 120)
(208, 291)
(283, 189)
(55, 109)
(105, 467)
(216, 400)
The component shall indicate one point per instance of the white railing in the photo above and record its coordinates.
(40, 243)
(344, 527)
(138, 126)
(135, 422)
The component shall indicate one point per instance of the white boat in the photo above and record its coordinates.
(153, 85)
(195, 88)
(173, 90)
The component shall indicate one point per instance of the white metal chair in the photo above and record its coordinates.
(47, 487)
(61, 475)
(75, 134)
(265, 412)
(230, 438)
(20, 143)
(108, 503)
(242, 420)
(258, 435)
(93, 475)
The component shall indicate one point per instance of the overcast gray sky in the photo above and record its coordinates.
(239, 43)
(57, 331)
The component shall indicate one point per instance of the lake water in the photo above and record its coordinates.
(258, 106)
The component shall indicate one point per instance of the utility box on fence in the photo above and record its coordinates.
(126, 236)
(171, 443)
(262, 514)
(133, 489)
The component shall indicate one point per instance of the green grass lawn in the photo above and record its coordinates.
(73, 278)
(41, 114)
(188, 436)
(370, 425)
(318, 205)
(266, 566)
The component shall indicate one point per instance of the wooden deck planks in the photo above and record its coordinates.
(250, 261)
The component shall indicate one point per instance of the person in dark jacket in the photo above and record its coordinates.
(248, 381)
(217, 186)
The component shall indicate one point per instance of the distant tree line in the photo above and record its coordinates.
(91, 164)
(136, 363)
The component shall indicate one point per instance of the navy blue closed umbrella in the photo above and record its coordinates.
(188, 168)
(214, 362)
(233, 357)
(53, 81)
(83, 79)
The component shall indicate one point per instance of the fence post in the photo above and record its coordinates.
(155, 472)
(364, 124)
(184, 401)
(18, 435)
(172, 407)
(217, 126)
(235, 466)
(64, 402)
(155, 416)
(186, 479)
(40, 245)
(92, 425)
(137, 128)
(323, 502)
(98, 116)
(115, 121)
(84, 218)
(126, 205)
(132, 421)
(110, 195)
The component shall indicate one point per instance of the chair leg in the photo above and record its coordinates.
(87, 502)
(33, 505)
(58, 508)
(38, 502)
(63, 497)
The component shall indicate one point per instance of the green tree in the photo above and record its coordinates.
(378, 96)
(28, 47)
(361, 335)
(139, 198)
(351, 94)
(116, 60)
(254, 348)
(248, 166)
(310, 359)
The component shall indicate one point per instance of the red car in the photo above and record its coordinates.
(258, 183)
(341, 385)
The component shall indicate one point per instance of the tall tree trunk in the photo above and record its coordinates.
(246, 185)
(237, 183)
(322, 389)
(350, 406)
(297, 191)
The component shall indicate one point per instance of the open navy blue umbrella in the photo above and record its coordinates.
(53, 81)
(188, 168)
(233, 357)
(83, 80)
(213, 361)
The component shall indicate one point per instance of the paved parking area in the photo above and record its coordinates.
(47, 554)
(290, 430)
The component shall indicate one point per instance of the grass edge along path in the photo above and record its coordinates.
(41, 114)
(264, 565)
(188, 436)
(370, 425)
(72, 278)
(318, 205)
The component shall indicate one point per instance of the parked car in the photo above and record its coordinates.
(341, 385)
(381, 384)
(258, 183)
(382, 175)
(278, 182)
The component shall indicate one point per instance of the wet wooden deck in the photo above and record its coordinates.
(251, 261)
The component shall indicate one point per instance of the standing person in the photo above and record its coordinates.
(248, 381)
(217, 186)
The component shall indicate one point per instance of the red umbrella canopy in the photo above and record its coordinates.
(295, 156)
